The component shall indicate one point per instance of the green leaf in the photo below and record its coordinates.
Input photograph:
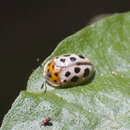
(102, 104)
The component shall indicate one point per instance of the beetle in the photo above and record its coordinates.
(68, 70)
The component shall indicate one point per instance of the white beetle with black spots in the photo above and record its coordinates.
(68, 70)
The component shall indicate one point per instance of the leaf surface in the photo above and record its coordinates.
(103, 103)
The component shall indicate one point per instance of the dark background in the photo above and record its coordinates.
(31, 29)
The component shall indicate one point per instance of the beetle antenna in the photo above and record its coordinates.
(44, 85)
(44, 82)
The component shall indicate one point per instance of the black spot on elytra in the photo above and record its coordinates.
(72, 59)
(76, 69)
(56, 74)
(48, 70)
(55, 81)
(65, 81)
(66, 55)
(86, 72)
(74, 79)
(80, 63)
(62, 60)
(49, 74)
(49, 64)
(81, 56)
(53, 66)
(67, 73)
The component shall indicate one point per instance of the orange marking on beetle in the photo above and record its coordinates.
(55, 78)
